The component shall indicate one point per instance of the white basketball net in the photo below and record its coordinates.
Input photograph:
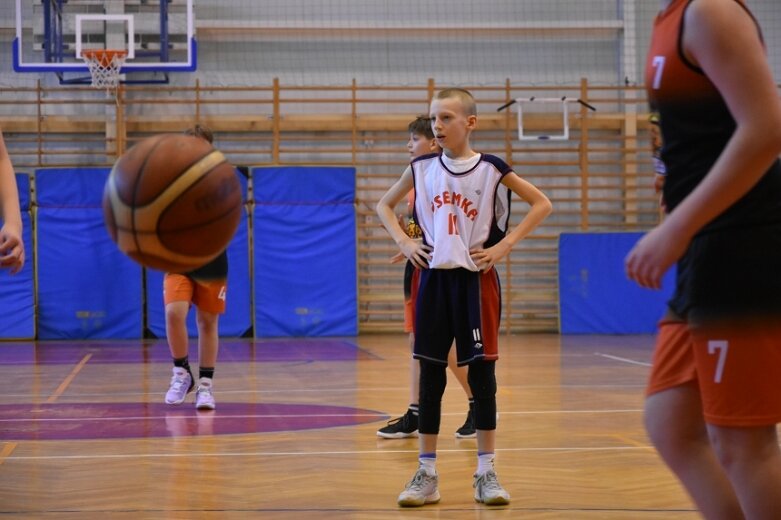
(104, 68)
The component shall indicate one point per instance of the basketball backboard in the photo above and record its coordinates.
(157, 35)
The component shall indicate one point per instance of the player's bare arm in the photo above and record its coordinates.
(541, 207)
(722, 39)
(417, 252)
(11, 244)
(399, 257)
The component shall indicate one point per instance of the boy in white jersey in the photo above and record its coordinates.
(462, 205)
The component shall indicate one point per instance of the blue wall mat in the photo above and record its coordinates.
(87, 289)
(23, 184)
(595, 296)
(237, 320)
(17, 292)
(305, 252)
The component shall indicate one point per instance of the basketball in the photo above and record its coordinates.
(172, 202)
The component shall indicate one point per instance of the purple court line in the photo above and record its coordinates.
(299, 350)
(60, 421)
(63, 420)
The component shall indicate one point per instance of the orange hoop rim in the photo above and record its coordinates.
(103, 56)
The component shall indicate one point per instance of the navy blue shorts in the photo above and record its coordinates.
(460, 305)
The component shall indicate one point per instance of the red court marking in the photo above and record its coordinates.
(6, 451)
(60, 389)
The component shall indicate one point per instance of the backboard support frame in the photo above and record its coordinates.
(563, 136)
(562, 101)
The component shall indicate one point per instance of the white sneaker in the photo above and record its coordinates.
(422, 489)
(489, 491)
(181, 385)
(204, 399)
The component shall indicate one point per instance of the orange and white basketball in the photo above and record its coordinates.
(172, 202)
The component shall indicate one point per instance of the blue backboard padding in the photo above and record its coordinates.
(304, 185)
(237, 319)
(595, 295)
(17, 292)
(87, 288)
(305, 252)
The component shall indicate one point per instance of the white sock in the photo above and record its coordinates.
(428, 463)
(485, 462)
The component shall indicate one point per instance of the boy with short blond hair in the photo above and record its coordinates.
(462, 205)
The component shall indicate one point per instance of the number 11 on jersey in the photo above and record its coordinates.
(452, 224)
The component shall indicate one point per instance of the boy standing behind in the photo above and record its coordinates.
(421, 142)
(462, 205)
(205, 288)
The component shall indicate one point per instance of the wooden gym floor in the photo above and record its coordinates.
(84, 433)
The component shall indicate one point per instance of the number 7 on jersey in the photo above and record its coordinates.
(658, 64)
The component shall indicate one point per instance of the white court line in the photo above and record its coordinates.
(561, 449)
(543, 412)
(285, 416)
(179, 416)
(623, 360)
(71, 396)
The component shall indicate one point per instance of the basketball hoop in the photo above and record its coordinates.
(104, 66)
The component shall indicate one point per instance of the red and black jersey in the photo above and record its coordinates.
(696, 124)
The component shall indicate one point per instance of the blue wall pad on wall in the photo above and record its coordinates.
(305, 251)
(17, 292)
(595, 296)
(237, 320)
(87, 288)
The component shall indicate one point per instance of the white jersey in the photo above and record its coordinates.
(459, 211)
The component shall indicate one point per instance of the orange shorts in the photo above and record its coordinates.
(737, 369)
(207, 295)
(409, 302)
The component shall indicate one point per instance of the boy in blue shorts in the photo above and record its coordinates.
(462, 205)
